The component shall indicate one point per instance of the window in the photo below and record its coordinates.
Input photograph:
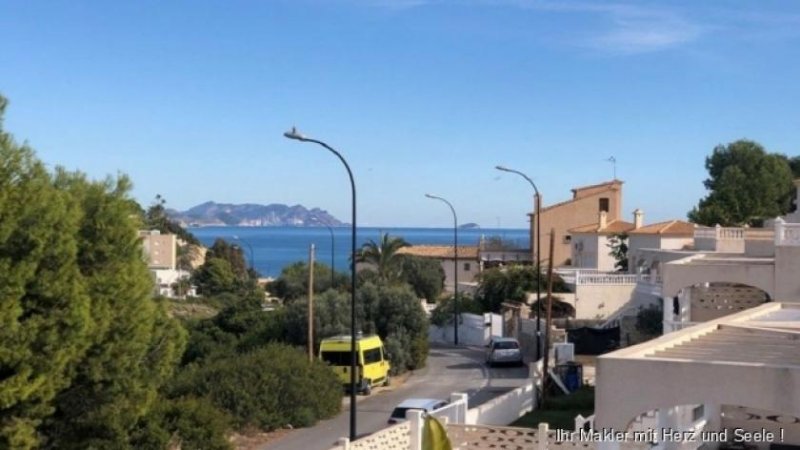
(336, 358)
(567, 239)
(604, 204)
(505, 345)
(372, 356)
(466, 267)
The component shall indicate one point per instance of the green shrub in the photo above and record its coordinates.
(267, 388)
(193, 423)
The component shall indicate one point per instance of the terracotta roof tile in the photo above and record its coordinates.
(440, 251)
(613, 227)
(671, 227)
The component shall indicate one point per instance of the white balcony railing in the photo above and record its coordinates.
(719, 233)
(605, 278)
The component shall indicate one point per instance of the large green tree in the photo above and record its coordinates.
(135, 346)
(424, 275)
(292, 284)
(746, 185)
(84, 347)
(45, 307)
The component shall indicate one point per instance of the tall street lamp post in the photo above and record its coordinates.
(455, 264)
(293, 134)
(538, 261)
(333, 263)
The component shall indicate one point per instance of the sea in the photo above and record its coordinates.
(270, 249)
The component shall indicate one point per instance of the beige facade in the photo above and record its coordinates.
(160, 250)
(582, 209)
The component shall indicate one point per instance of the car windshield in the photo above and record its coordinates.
(399, 413)
(506, 345)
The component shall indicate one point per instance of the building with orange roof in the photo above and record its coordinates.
(582, 209)
(591, 244)
(669, 235)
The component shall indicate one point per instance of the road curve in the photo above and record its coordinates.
(449, 369)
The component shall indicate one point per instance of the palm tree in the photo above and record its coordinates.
(383, 257)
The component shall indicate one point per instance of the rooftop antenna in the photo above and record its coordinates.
(613, 162)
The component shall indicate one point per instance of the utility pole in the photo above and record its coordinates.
(311, 303)
(549, 317)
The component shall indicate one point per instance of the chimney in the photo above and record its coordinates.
(638, 219)
(603, 220)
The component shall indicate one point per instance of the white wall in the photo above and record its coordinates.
(505, 409)
(472, 330)
(600, 301)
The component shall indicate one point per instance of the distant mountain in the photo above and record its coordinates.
(469, 226)
(276, 214)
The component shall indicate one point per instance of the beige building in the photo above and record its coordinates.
(468, 262)
(583, 208)
(160, 250)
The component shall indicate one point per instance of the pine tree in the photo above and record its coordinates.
(45, 324)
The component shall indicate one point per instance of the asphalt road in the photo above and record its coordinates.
(448, 370)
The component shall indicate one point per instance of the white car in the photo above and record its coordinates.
(503, 351)
(421, 404)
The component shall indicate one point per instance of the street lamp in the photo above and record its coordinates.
(293, 134)
(250, 247)
(538, 255)
(333, 263)
(455, 263)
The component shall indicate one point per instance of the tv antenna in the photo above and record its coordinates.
(613, 162)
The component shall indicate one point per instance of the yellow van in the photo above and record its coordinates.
(372, 365)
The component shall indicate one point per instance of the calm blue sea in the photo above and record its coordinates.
(275, 247)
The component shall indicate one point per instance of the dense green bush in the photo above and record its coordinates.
(394, 313)
(292, 284)
(331, 318)
(188, 423)
(443, 313)
(267, 388)
(424, 275)
(511, 284)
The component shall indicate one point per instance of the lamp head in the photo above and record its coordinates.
(293, 134)
(504, 169)
(430, 196)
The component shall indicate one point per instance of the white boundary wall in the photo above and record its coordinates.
(474, 329)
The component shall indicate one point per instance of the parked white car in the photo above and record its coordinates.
(503, 351)
(421, 404)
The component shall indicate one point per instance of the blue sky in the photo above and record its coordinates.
(191, 98)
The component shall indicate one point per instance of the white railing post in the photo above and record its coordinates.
(460, 399)
(544, 431)
(416, 422)
(780, 224)
(343, 443)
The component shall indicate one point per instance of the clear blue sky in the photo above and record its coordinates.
(190, 98)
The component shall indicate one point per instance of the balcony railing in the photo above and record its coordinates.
(718, 233)
(606, 278)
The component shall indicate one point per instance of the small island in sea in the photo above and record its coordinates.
(469, 226)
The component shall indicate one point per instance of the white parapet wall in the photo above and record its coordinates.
(505, 409)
